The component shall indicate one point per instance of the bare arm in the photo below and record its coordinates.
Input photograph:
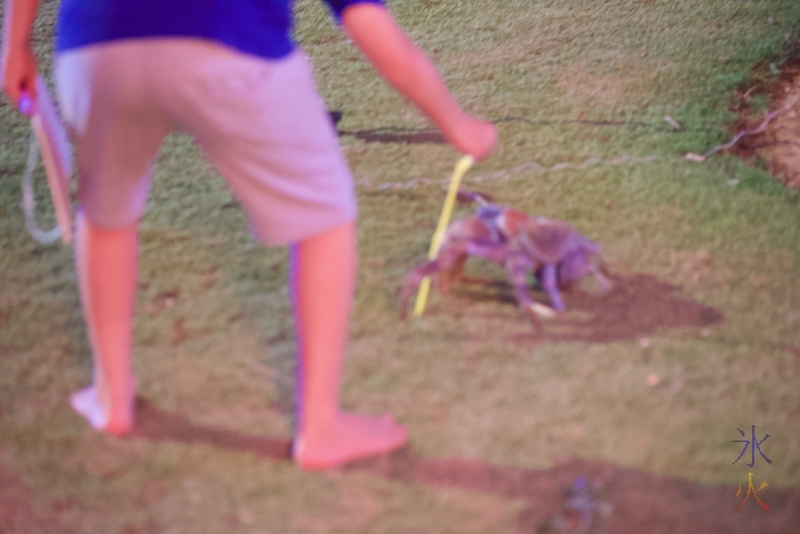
(409, 70)
(18, 61)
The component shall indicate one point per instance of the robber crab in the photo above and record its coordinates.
(553, 250)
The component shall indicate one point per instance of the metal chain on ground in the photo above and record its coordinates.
(591, 162)
(769, 118)
(496, 175)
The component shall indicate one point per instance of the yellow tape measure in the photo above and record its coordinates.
(463, 165)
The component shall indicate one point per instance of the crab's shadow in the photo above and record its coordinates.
(637, 305)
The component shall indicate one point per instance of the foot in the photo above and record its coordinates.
(110, 421)
(351, 437)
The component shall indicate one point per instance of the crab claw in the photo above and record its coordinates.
(541, 310)
(603, 281)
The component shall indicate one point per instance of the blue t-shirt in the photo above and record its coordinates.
(259, 27)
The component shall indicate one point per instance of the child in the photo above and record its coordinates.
(129, 72)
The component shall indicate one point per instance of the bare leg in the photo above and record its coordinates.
(322, 285)
(107, 264)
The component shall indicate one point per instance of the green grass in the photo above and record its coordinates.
(565, 81)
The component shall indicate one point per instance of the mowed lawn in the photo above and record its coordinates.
(700, 336)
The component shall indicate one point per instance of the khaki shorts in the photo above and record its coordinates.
(260, 122)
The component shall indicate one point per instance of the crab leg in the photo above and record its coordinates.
(448, 257)
(550, 285)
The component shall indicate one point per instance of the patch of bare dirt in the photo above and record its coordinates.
(620, 500)
(779, 144)
(637, 305)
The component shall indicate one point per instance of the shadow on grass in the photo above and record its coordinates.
(412, 136)
(418, 136)
(622, 500)
(636, 306)
(155, 424)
